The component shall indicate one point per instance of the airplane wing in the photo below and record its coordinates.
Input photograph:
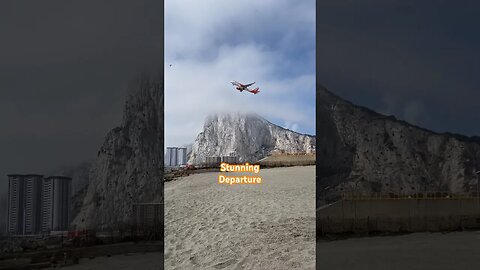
(241, 85)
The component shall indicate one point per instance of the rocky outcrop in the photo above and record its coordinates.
(361, 150)
(129, 165)
(249, 136)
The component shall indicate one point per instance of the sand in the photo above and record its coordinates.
(266, 226)
(455, 250)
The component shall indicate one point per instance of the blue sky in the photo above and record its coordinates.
(209, 43)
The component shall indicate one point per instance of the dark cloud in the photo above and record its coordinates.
(418, 60)
(63, 73)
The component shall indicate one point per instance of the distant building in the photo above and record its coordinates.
(37, 204)
(24, 204)
(56, 203)
(15, 204)
(171, 158)
(181, 156)
(176, 156)
(47, 202)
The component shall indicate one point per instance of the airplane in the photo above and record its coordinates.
(240, 87)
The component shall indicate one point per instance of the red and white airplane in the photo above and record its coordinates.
(240, 87)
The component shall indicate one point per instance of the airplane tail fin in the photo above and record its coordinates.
(255, 91)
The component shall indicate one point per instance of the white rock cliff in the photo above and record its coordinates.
(249, 136)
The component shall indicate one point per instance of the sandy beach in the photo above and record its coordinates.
(455, 250)
(264, 226)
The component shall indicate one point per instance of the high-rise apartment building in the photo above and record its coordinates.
(171, 157)
(182, 156)
(176, 156)
(24, 204)
(59, 205)
(38, 205)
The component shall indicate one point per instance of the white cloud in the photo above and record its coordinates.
(204, 44)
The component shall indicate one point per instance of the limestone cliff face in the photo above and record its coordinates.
(129, 164)
(250, 136)
(361, 150)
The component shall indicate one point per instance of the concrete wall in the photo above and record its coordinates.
(403, 215)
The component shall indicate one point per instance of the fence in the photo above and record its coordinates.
(148, 220)
(405, 195)
(395, 213)
(285, 160)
